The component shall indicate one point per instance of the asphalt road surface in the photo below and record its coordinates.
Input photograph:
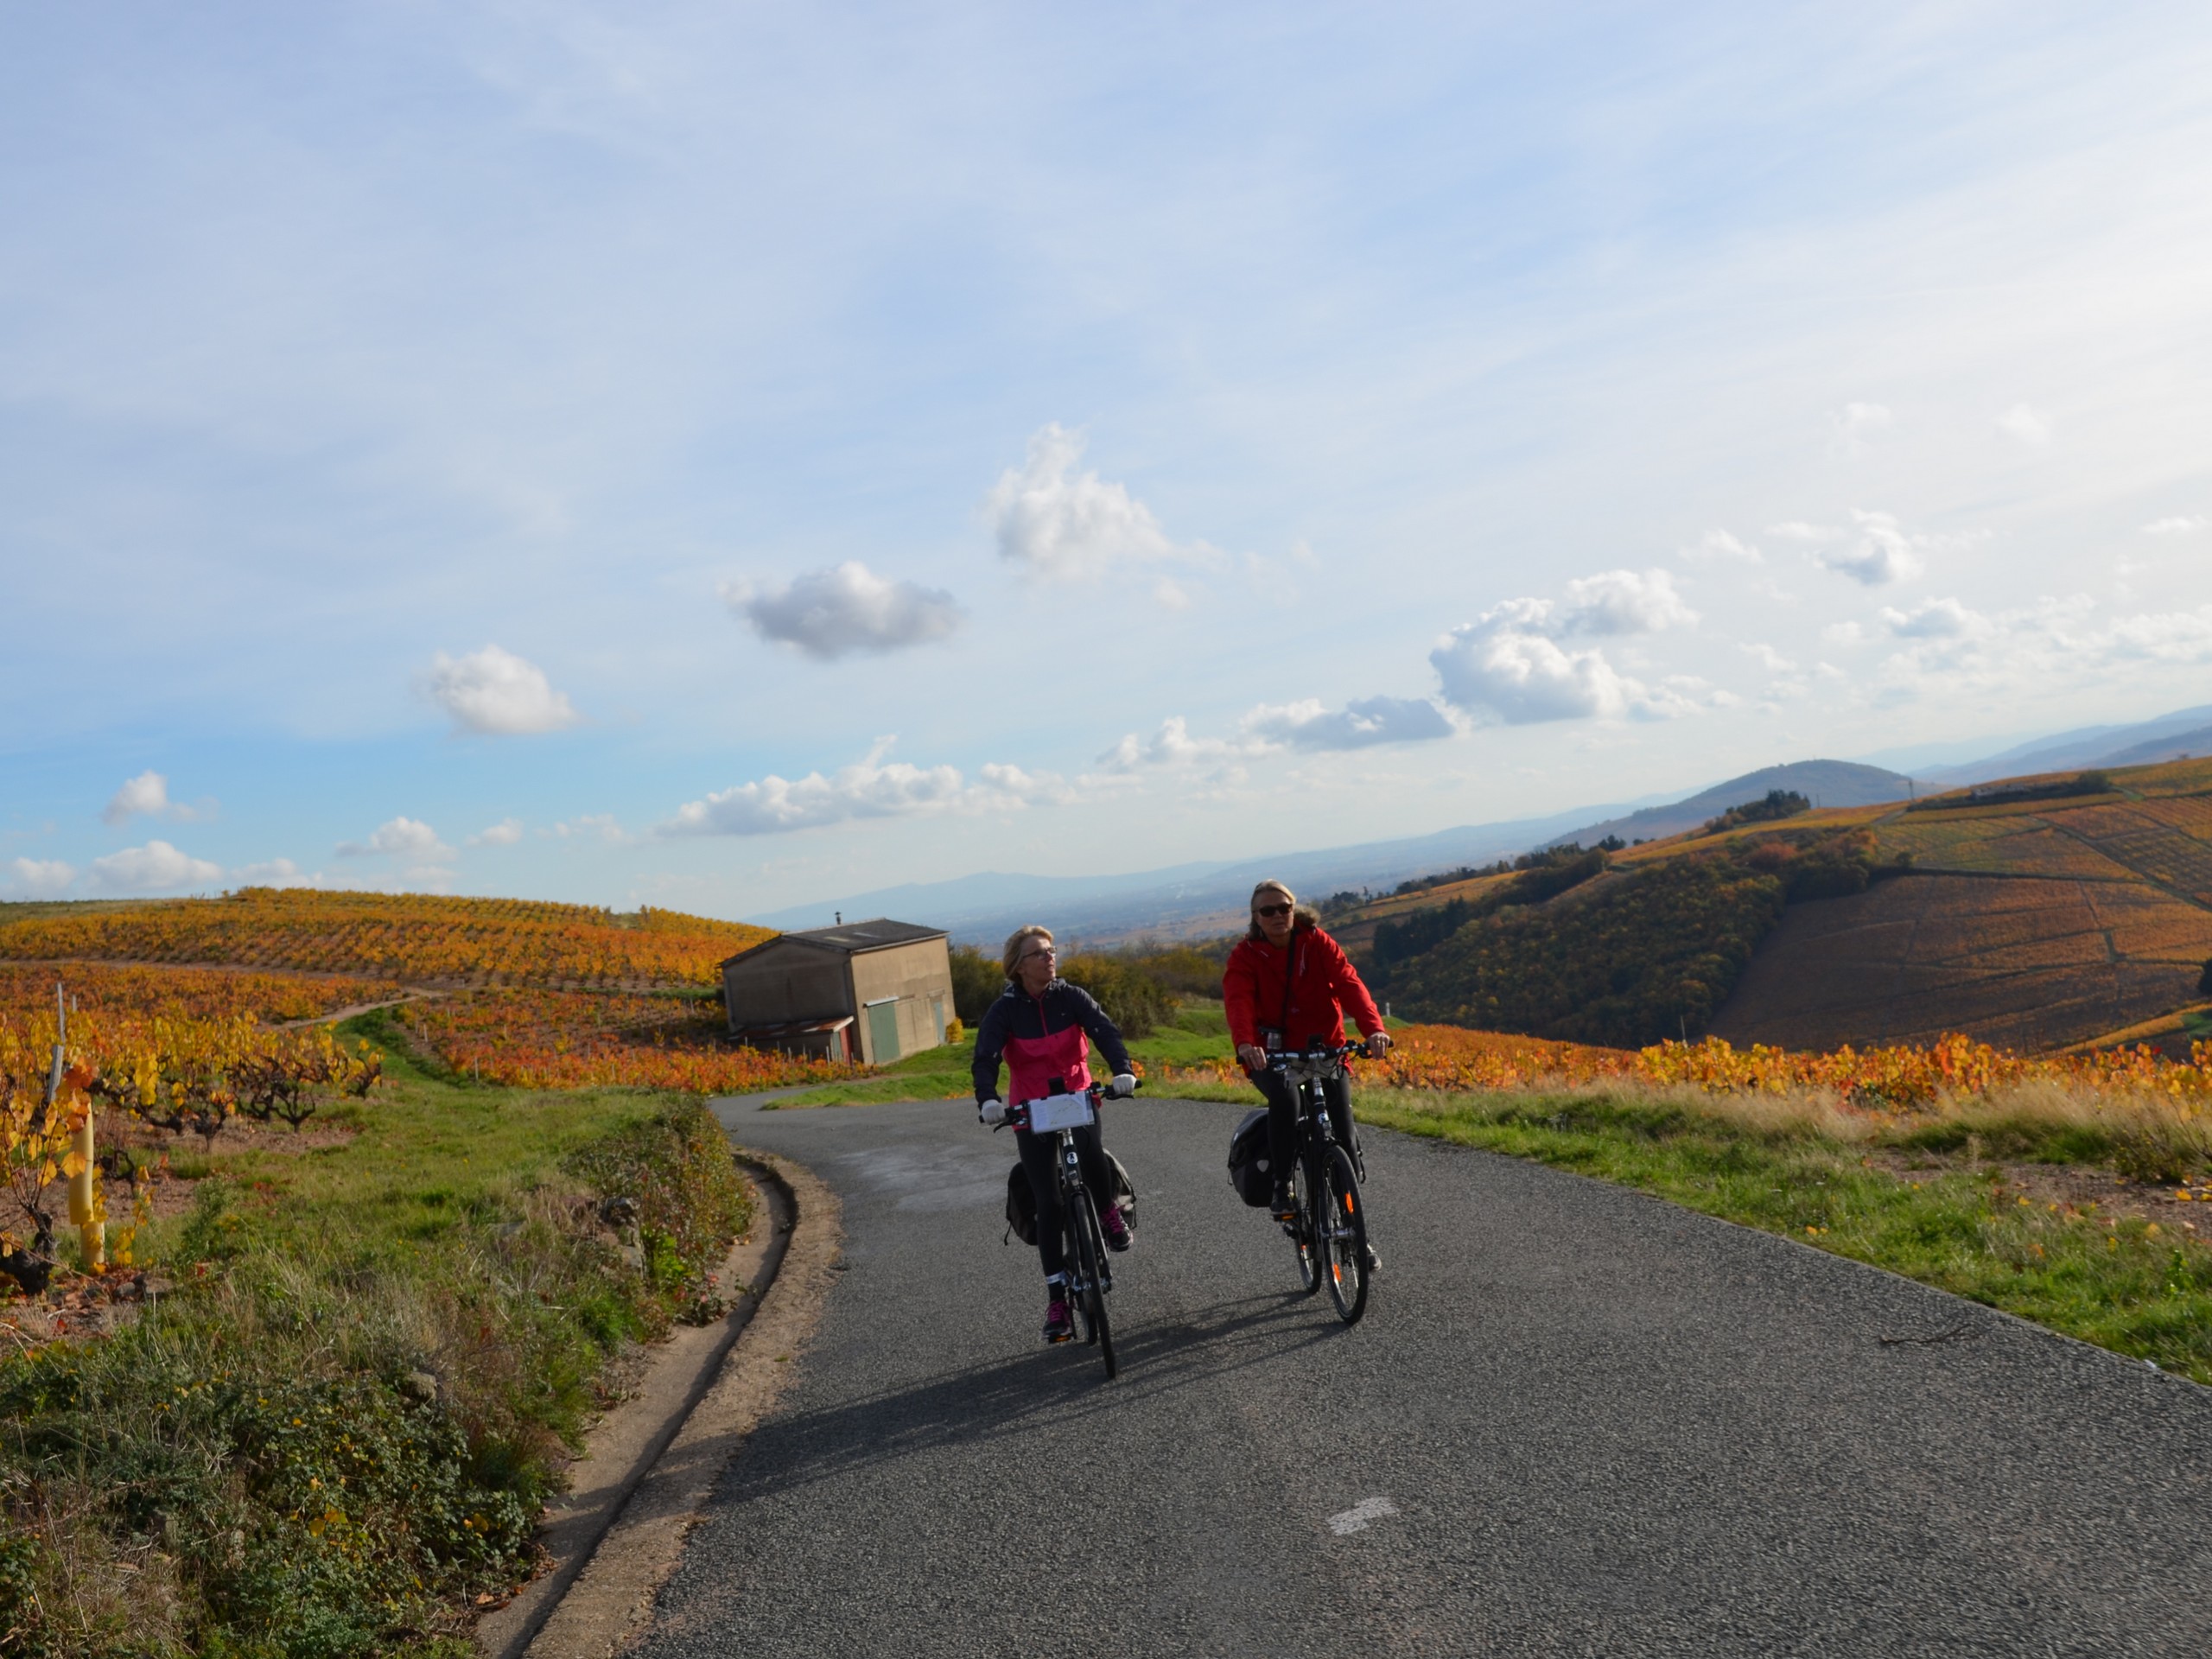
(1574, 1421)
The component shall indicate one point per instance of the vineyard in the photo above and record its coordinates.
(566, 1039)
(186, 992)
(418, 938)
(1901, 1078)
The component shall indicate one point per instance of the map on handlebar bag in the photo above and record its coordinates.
(1059, 1112)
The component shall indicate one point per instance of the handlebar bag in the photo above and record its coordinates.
(1249, 1154)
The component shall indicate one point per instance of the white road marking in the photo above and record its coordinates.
(1356, 1518)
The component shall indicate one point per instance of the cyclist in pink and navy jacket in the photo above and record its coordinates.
(1042, 1027)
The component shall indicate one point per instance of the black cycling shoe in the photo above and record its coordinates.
(1372, 1261)
(1281, 1206)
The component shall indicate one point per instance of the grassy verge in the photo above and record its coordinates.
(2137, 1285)
(332, 1434)
(1197, 1032)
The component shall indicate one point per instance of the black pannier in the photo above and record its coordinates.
(1021, 1201)
(1248, 1155)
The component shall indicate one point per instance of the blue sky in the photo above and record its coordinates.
(720, 456)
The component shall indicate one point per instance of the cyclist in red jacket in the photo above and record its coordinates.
(1042, 1027)
(1287, 983)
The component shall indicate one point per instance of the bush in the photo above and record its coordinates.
(1134, 1001)
(977, 982)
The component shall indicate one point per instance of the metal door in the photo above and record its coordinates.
(883, 1031)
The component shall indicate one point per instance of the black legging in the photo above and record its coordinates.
(1040, 1157)
(1282, 1116)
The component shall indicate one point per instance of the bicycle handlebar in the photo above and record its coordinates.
(1017, 1115)
(1280, 1058)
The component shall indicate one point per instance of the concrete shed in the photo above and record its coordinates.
(868, 991)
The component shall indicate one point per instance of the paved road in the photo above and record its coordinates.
(1575, 1421)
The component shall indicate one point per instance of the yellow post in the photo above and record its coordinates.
(84, 1200)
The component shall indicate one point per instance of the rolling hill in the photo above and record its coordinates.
(2031, 923)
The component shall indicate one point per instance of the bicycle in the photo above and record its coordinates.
(1329, 1223)
(1088, 1278)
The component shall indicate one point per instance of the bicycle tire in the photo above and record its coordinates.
(1304, 1232)
(1343, 1239)
(1092, 1245)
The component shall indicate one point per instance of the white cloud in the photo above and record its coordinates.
(155, 867)
(1883, 552)
(828, 613)
(1174, 746)
(599, 826)
(498, 694)
(400, 837)
(1362, 723)
(278, 872)
(1677, 696)
(871, 788)
(148, 795)
(1939, 619)
(2024, 425)
(39, 878)
(1620, 601)
(1056, 521)
(2178, 525)
(505, 833)
(1769, 659)
(1719, 545)
(1171, 595)
(1497, 666)
(1855, 421)
(1796, 530)
(1844, 633)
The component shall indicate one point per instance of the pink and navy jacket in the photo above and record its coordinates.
(1041, 1038)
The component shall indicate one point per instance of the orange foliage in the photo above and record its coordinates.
(1445, 1058)
(412, 937)
(184, 993)
(567, 1040)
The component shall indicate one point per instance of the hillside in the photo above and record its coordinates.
(416, 938)
(2031, 923)
(1824, 783)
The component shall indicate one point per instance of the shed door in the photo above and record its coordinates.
(883, 1031)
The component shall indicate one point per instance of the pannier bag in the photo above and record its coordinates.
(1249, 1154)
(1021, 1201)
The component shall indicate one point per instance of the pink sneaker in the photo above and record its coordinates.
(1115, 1229)
(1058, 1327)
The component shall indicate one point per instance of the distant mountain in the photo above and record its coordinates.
(2182, 745)
(1181, 901)
(2086, 745)
(1824, 783)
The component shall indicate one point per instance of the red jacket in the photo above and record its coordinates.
(1324, 987)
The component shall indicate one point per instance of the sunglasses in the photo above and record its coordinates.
(1271, 910)
(1043, 951)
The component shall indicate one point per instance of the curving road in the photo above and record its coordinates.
(1575, 1421)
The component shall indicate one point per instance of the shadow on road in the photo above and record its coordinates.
(981, 1403)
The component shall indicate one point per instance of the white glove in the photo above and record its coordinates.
(991, 1113)
(1124, 1086)
(1378, 1044)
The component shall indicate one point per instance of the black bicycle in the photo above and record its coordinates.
(1089, 1278)
(1329, 1221)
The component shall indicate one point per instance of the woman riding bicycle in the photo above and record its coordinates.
(1042, 1026)
(1287, 983)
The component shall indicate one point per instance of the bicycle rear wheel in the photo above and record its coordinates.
(1090, 1243)
(1303, 1228)
(1343, 1237)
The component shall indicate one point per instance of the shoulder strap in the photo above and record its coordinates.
(1289, 969)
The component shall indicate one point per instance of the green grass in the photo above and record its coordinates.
(1198, 1032)
(339, 1424)
(2137, 1288)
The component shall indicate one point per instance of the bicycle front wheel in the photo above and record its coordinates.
(1303, 1226)
(1344, 1236)
(1091, 1246)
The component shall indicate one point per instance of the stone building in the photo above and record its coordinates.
(866, 991)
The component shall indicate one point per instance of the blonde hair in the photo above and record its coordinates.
(1298, 912)
(1017, 942)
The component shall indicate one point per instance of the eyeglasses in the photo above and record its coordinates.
(1271, 910)
(1043, 951)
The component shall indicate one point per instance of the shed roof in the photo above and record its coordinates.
(853, 939)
